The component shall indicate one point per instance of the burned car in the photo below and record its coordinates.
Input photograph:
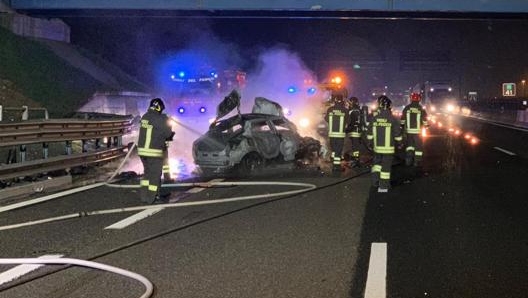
(248, 142)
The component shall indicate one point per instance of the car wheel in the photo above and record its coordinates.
(250, 164)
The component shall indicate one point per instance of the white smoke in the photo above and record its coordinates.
(276, 70)
(281, 76)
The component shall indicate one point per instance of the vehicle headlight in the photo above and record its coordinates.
(452, 108)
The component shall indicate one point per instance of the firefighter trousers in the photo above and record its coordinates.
(355, 142)
(381, 170)
(337, 145)
(151, 181)
(413, 149)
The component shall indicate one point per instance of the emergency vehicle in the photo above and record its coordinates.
(196, 92)
(437, 96)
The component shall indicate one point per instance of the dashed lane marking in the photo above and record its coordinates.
(149, 212)
(504, 151)
(377, 272)
(133, 219)
(20, 270)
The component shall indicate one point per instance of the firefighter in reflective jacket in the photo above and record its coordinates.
(384, 132)
(413, 120)
(337, 118)
(354, 129)
(154, 131)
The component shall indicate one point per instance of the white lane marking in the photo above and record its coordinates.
(50, 197)
(207, 184)
(504, 151)
(133, 219)
(195, 190)
(377, 272)
(20, 270)
(148, 212)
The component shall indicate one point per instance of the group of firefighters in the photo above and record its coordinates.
(379, 131)
(384, 133)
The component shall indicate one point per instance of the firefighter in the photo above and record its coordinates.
(366, 119)
(154, 131)
(384, 132)
(354, 129)
(413, 119)
(337, 118)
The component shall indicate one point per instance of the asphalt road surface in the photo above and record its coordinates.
(455, 228)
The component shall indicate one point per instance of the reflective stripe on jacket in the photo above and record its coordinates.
(154, 130)
(413, 118)
(337, 117)
(384, 131)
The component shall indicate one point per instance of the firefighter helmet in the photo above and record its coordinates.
(157, 104)
(338, 98)
(354, 100)
(379, 100)
(416, 97)
(384, 102)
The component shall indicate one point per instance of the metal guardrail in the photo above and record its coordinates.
(56, 130)
(23, 133)
(64, 162)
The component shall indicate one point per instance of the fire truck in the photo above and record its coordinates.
(196, 92)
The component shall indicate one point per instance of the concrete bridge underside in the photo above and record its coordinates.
(493, 6)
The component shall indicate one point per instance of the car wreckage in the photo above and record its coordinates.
(246, 143)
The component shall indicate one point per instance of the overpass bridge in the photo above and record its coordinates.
(487, 6)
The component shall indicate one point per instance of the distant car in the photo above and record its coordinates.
(248, 142)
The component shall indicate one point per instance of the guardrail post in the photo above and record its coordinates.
(45, 153)
(22, 153)
(68, 147)
(108, 142)
(1, 112)
(11, 156)
(25, 113)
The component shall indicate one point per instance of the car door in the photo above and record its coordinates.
(266, 141)
(288, 136)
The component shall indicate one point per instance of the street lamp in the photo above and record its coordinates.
(523, 83)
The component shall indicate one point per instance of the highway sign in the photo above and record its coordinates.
(508, 89)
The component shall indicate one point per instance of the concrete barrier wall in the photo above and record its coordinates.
(22, 25)
(511, 117)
